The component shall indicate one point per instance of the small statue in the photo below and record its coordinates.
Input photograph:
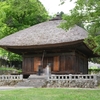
(48, 70)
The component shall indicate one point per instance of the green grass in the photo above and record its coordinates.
(50, 94)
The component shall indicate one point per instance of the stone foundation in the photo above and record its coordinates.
(55, 81)
(8, 82)
(71, 83)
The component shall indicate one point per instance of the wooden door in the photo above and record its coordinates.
(56, 63)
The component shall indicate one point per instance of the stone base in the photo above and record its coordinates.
(8, 82)
(71, 83)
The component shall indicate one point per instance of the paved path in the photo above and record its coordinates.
(12, 88)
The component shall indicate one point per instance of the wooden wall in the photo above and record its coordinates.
(28, 65)
(68, 63)
(81, 63)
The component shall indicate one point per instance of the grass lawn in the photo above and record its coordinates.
(50, 94)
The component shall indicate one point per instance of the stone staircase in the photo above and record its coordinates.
(33, 81)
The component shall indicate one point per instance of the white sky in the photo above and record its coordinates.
(52, 6)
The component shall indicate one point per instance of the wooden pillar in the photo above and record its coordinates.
(56, 63)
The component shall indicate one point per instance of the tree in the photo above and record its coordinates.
(86, 14)
(16, 15)
(19, 14)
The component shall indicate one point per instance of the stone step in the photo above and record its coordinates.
(37, 77)
(32, 82)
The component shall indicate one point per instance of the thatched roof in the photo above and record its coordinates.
(44, 34)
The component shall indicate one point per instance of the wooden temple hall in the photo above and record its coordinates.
(65, 52)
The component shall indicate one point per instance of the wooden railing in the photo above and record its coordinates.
(11, 77)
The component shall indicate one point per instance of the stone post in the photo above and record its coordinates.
(95, 80)
(21, 77)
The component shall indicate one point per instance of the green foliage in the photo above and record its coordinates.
(19, 14)
(91, 42)
(10, 56)
(86, 14)
(14, 57)
(7, 68)
(97, 59)
(94, 70)
(16, 15)
(10, 69)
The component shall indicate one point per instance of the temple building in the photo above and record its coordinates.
(65, 51)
